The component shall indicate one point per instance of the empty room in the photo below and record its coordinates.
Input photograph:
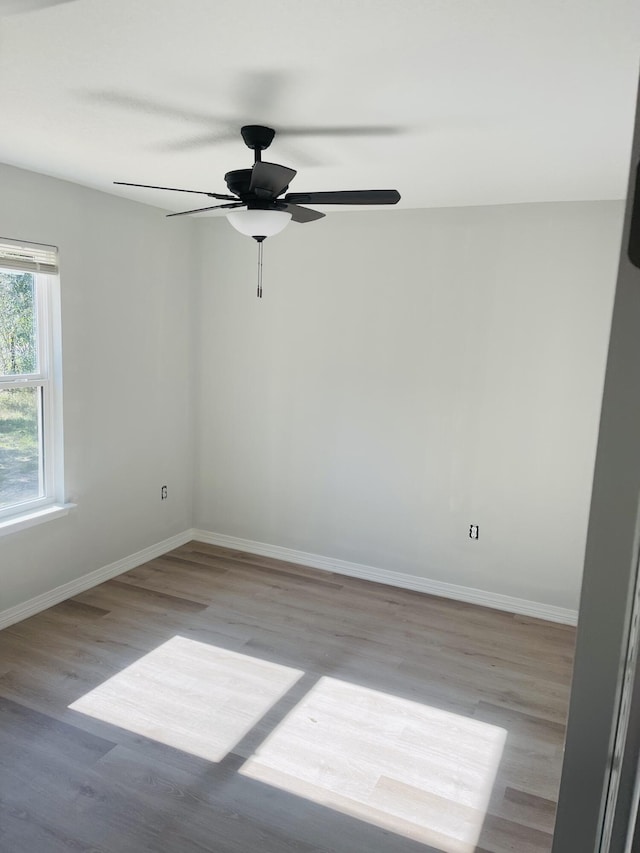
(304, 319)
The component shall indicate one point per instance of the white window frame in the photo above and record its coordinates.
(50, 504)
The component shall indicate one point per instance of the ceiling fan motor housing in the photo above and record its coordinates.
(238, 181)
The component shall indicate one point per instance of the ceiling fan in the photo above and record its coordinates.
(260, 205)
(12, 7)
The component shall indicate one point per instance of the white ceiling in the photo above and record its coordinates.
(469, 101)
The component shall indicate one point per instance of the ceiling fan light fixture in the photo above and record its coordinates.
(259, 223)
(258, 192)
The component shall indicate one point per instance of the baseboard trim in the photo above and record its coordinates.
(521, 606)
(68, 590)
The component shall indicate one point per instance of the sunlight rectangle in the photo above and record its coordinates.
(407, 767)
(190, 695)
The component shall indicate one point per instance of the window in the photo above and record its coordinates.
(30, 385)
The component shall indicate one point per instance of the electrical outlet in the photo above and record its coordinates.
(163, 493)
(474, 531)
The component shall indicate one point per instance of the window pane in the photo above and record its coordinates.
(18, 346)
(20, 445)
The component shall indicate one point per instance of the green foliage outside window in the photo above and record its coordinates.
(19, 443)
(17, 324)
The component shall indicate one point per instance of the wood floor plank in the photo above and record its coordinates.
(25, 727)
(217, 700)
(337, 822)
(524, 808)
(505, 836)
(74, 611)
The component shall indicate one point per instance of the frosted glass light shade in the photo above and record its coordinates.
(259, 223)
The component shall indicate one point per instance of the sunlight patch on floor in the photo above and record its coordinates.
(395, 763)
(190, 695)
(415, 770)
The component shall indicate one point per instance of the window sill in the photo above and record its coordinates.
(29, 519)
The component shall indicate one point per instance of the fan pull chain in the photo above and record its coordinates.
(260, 269)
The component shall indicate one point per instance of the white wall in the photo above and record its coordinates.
(406, 374)
(126, 278)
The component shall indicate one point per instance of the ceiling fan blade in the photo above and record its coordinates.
(346, 197)
(301, 214)
(343, 130)
(268, 180)
(177, 190)
(202, 140)
(138, 103)
(202, 209)
(10, 7)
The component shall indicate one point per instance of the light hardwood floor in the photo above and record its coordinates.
(214, 701)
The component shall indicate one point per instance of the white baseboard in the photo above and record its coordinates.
(521, 606)
(68, 590)
(357, 570)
